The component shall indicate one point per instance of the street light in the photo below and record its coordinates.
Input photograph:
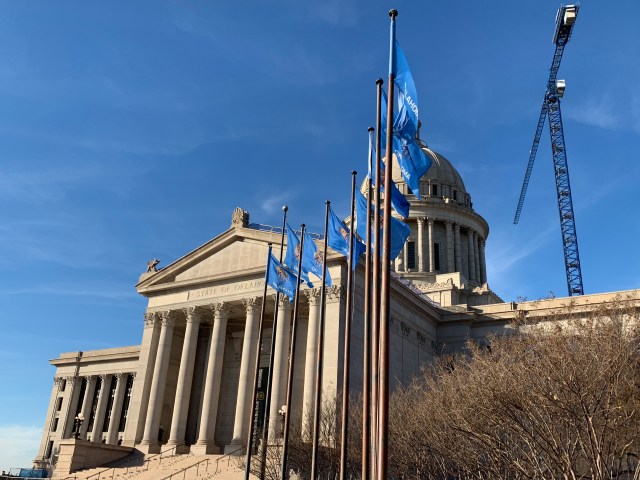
(77, 424)
(282, 412)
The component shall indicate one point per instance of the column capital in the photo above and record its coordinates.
(283, 301)
(104, 376)
(220, 310)
(192, 313)
(421, 220)
(167, 317)
(448, 223)
(57, 381)
(335, 293)
(430, 221)
(150, 319)
(252, 304)
(89, 379)
(313, 296)
(456, 227)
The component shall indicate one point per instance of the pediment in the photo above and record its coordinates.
(237, 252)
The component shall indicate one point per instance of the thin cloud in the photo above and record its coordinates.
(18, 445)
(597, 112)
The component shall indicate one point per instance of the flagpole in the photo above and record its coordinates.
(247, 469)
(385, 310)
(267, 406)
(347, 342)
(292, 356)
(320, 348)
(366, 370)
(375, 317)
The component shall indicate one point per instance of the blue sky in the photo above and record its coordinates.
(132, 130)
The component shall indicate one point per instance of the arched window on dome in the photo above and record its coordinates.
(455, 194)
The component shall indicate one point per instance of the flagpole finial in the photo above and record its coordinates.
(353, 172)
(302, 225)
(393, 13)
(370, 129)
(327, 202)
(285, 208)
(379, 81)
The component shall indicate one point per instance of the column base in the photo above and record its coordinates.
(205, 449)
(149, 448)
(180, 447)
(236, 449)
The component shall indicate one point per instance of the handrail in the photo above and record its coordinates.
(228, 459)
(122, 464)
(184, 470)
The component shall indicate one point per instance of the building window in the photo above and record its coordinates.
(125, 404)
(63, 385)
(111, 385)
(455, 195)
(411, 255)
(55, 425)
(49, 450)
(94, 404)
(436, 256)
(59, 404)
(434, 190)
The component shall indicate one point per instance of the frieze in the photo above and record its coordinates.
(425, 287)
(228, 289)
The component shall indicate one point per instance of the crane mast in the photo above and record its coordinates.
(565, 20)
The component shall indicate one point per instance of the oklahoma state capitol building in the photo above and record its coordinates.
(189, 382)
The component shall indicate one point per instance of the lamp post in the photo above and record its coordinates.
(77, 424)
(282, 412)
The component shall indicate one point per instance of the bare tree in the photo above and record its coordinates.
(559, 398)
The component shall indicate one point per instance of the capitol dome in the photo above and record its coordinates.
(445, 252)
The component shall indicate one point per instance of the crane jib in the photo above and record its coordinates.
(565, 20)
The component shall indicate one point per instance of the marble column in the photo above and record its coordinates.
(450, 263)
(280, 366)
(87, 403)
(471, 256)
(430, 240)
(139, 401)
(209, 415)
(116, 410)
(458, 247)
(74, 385)
(400, 261)
(476, 257)
(313, 297)
(420, 244)
(103, 397)
(185, 378)
(247, 370)
(159, 381)
(483, 265)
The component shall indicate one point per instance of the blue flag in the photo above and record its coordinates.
(293, 254)
(413, 162)
(280, 279)
(360, 221)
(312, 259)
(406, 122)
(338, 239)
(398, 201)
(399, 233)
(399, 230)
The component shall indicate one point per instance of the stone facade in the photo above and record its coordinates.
(188, 385)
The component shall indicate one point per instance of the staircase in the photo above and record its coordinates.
(172, 467)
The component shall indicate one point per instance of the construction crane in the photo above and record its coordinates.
(565, 20)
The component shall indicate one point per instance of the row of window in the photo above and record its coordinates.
(111, 384)
(411, 256)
